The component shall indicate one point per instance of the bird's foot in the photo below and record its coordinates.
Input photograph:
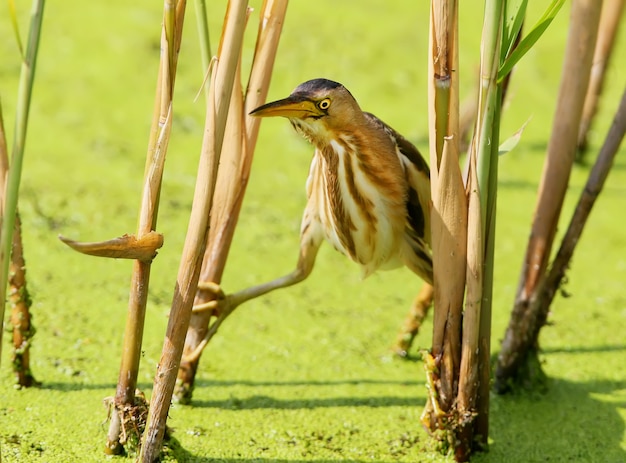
(216, 300)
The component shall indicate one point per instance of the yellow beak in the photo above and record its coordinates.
(293, 106)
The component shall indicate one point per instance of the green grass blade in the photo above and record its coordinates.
(514, 14)
(203, 34)
(16, 27)
(510, 143)
(532, 37)
(487, 105)
(25, 90)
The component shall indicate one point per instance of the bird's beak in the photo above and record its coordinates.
(293, 106)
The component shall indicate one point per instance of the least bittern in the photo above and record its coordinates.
(368, 193)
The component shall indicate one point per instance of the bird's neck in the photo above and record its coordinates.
(323, 136)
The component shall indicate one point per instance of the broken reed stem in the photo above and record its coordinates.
(232, 180)
(173, 15)
(11, 191)
(610, 20)
(441, 43)
(220, 92)
(597, 177)
(467, 231)
(449, 210)
(517, 345)
(124, 247)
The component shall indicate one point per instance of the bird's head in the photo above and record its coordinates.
(320, 109)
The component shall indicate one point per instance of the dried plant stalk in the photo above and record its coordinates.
(463, 221)
(173, 15)
(232, 180)
(518, 350)
(448, 215)
(610, 19)
(597, 177)
(536, 315)
(143, 249)
(469, 368)
(222, 87)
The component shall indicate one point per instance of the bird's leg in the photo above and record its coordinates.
(225, 304)
(310, 242)
(311, 237)
(303, 269)
(418, 259)
(413, 320)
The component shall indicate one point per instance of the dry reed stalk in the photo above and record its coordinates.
(232, 180)
(173, 15)
(142, 249)
(469, 368)
(474, 356)
(551, 283)
(610, 20)
(517, 347)
(223, 86)
(448, 216)
(465, 230)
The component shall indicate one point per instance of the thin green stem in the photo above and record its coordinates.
(203, 34)
(486, 146)
(487, 103)
(27, 78)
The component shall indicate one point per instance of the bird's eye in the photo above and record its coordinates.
(324, 104)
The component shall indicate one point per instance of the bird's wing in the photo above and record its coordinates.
(418, 180)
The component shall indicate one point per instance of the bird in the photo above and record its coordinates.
(368, 193)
